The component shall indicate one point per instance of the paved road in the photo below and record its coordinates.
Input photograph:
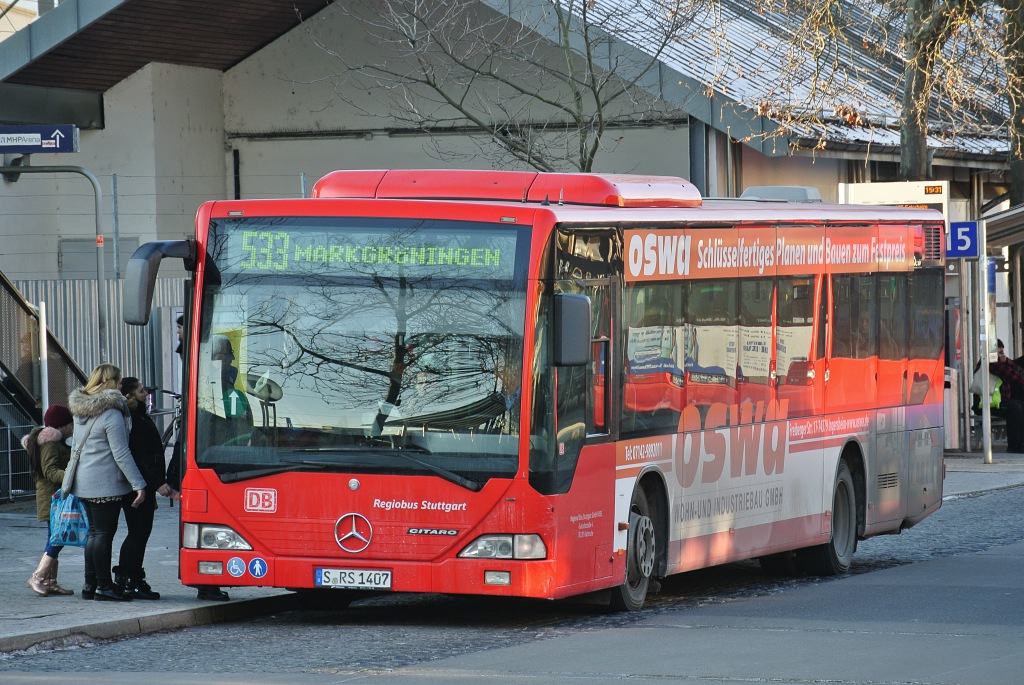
(946, 620)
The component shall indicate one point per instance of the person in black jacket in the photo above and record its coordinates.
(175, 472)
(148, 451)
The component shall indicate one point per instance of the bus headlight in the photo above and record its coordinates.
(505, 547)
(208, 536)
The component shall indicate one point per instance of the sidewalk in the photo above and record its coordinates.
(27, 620)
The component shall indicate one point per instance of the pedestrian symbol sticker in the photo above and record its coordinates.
(236, 567)
(257, 568)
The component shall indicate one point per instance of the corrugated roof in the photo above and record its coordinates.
(760, 65)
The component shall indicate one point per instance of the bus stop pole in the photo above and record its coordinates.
(44, 367)
(983, 344)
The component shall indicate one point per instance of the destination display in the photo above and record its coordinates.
(389, 252)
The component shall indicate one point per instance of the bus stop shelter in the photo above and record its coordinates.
(1002, 231)
(1006, 229)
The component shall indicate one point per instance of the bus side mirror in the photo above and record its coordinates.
(140, 276)
(572, 330)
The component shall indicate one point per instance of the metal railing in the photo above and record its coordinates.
(22, 396)
(15, 479)
(20, 354)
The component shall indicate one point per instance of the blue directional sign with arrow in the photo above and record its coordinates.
(26, 140)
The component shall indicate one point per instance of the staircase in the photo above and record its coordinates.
(21, 396)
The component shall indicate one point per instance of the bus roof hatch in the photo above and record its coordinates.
(510, 186)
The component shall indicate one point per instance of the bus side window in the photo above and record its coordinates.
(598, 388)
(655, 357)
(842, 320)
(892, 314)
(796, 347)
(755, 358)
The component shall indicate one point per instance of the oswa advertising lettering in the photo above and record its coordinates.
(699, 253)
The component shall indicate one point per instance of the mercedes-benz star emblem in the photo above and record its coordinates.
(353, 533)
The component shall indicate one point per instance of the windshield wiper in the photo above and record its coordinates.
(449, 476)
(249, 474)
(376, 446)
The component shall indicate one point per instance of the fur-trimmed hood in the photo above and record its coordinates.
(89, 406)
(48, 434)
(43, 436)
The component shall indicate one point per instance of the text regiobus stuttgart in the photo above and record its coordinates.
(542, 385)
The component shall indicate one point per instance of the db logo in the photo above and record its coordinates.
(262, 500)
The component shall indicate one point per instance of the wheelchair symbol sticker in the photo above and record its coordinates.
(236, 567)
(257, 568)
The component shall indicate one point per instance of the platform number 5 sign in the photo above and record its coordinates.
(963, 240)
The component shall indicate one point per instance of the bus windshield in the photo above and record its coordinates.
(361, 345)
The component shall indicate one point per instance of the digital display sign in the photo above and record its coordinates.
(271, 248)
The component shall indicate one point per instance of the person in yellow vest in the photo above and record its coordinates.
(1009, 407)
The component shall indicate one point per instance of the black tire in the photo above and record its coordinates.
(641, 552)
(835, 557)
(324, 599)
(781, 565)
(165, 439)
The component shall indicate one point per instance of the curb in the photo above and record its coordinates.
(174, 620)
(976, 493)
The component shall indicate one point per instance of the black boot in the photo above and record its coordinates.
(212, 593)
(110, 594)
(137, 587)
(119, 579)
(89, 589)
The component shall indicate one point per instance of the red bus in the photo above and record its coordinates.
(543, 385)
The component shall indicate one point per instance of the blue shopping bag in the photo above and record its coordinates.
(69, 524)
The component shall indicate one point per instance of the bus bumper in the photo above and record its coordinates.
(497, 577)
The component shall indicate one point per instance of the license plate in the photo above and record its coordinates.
(355, 579)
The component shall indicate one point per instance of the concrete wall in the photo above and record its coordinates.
(289, 110)
(163, 141)
(822, 173)
(273, 168)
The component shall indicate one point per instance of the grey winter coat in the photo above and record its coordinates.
(106, 467)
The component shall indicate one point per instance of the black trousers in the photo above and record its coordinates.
(140, 526)
(103, 520)
(1013, 411)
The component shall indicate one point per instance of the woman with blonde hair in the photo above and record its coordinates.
(105, 475)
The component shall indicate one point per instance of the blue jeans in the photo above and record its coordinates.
(51, 550)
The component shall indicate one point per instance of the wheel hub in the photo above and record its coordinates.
(643, 546)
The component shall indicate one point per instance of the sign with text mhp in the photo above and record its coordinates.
(963, 240)
(27, 140)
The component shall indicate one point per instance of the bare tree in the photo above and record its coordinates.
(543, 81)
(1013, 35)
(919, 68)
(932, 30)
(540, 89)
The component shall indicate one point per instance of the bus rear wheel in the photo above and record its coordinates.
(836, 556)
(641, 551)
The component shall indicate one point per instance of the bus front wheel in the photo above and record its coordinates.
(641, 550)
(836, 556)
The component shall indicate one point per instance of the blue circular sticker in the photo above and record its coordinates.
(236, 567)
(257, 568)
